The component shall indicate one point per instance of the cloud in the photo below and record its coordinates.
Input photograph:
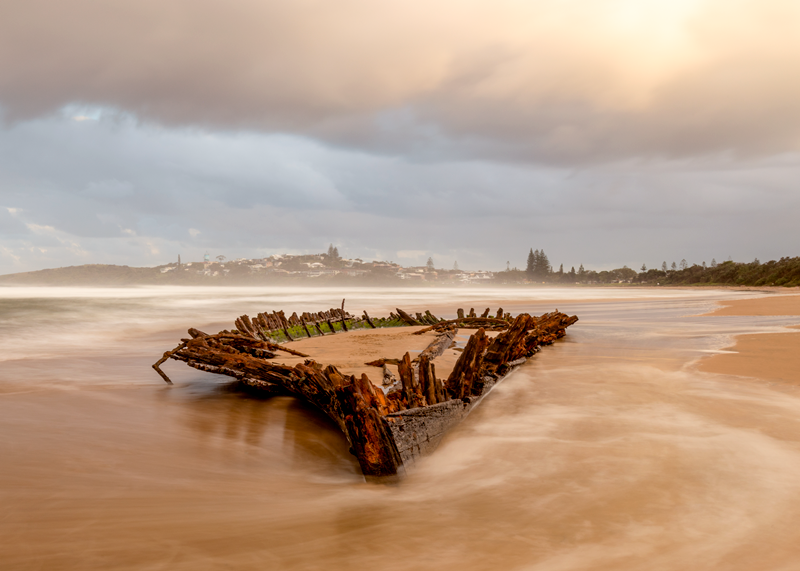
(410, 254)
(130, 193)
(604, 131)
(571, 82)
(10, 222)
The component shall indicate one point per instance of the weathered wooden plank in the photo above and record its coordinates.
(344, 318)
(303, 321)
(438, 346)
(407, 318)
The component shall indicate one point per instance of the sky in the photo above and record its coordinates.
(605, 132)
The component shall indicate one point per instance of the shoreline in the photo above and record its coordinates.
(768, 357)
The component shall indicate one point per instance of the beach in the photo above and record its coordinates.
(622, 446)
(771, 357)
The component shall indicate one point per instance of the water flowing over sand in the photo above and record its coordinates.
(609, 450)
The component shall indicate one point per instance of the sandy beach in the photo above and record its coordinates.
(773, 357)
(609, 450)
(349, 352)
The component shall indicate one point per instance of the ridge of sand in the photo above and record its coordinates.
(773, 357)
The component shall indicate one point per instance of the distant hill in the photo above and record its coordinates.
(188, 274)
(91, 274)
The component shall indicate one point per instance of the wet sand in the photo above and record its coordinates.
(770, 305)
(607, 451)
(772, 357)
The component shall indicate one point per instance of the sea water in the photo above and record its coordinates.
(607, 450)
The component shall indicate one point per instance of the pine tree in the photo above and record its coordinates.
(542, 269)
(530, 269)
(429, 264)
(561, 270)
(664, 267)
(684, 265)
(644, 268)
(713, 263)
(330, 251)
(455, 266)
(581, 271)
(674, 267)
(335, 253)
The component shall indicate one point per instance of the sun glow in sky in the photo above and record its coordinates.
(126, 123)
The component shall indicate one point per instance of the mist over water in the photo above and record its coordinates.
(605, 451)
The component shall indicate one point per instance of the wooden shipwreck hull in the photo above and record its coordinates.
(388, 426)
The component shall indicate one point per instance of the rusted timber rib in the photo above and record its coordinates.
(387, 429)
(407, 318)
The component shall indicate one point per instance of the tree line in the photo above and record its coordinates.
(538, 269)
(783, 272)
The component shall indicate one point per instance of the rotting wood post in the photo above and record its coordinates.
(460, 376)
(407, 379)
(486, 313)
(344, 316)
(460, 313)
(407, 318)
(427, 380)
(499, 313)
(438, 386)
(472, 312)
(370, 439)
(166, 356)
(316, 324)
(366, 316)
(333, 329)
(303, 321)
(411, 388)
(284, 325)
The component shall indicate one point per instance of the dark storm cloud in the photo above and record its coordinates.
(575, 81)
(114, 191)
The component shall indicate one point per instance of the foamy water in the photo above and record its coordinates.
(605, 451)
(56, 322)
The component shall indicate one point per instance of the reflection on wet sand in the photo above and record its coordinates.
(608, 451)
(227, 416)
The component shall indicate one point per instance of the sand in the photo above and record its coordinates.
(773, 357)
(772, 305)
(350, 351)
(605, 452)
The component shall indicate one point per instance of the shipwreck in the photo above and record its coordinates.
(388, 424)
